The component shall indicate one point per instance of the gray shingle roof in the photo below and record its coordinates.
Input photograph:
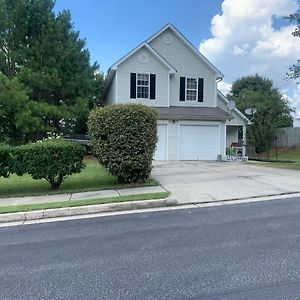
(193, 113)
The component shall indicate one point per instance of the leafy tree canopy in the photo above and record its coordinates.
(44, 53)
(294, 71)
(16, 111)
(273, 110)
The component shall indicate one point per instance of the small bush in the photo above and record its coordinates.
(53, 160)
(5, 161)
(123, 138)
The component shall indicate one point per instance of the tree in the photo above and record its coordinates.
(294, 70)
(16, 111)
(46, 54)
(273, 110)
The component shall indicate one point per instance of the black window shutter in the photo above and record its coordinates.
(200, 89)
(132, 85)
(152, 86)
(182, 89)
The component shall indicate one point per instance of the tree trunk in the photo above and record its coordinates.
(56, 182)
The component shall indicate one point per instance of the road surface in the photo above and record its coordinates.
(242, 251)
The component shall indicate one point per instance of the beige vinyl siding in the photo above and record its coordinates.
(111, 95)
(187, 64)
(134, 65)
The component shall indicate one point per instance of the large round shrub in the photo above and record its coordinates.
(123, 138)
(53, 160)
(5, 160)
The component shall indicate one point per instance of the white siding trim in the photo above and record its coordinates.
(116, 75)
(165, 122)
(169, 89)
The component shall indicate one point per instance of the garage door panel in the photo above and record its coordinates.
(198, 142)
(161, 146)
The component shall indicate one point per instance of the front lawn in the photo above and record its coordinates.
(92, 178)
(285, 154)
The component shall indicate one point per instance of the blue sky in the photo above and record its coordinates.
(241, 37)
(112, 28)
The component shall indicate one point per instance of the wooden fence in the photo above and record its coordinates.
(287, 137)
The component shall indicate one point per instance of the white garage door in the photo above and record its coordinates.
(198, 142)
(161, 151)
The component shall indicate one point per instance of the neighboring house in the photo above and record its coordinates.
(296, 122)
(168, 73)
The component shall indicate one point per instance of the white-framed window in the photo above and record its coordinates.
(191, 89)
(142, 85)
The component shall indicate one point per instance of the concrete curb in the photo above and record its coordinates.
(81, 210)
(128, 206)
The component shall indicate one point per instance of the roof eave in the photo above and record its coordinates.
(171, 69)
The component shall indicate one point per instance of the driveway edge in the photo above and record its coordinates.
(81, 210)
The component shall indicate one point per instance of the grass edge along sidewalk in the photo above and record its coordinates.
(78, 203)
(93, 178)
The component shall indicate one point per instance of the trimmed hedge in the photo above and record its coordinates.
(123, 138)
(52, 160)
(5, 161)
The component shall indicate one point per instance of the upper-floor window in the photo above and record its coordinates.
(191, 89)
(142, 85)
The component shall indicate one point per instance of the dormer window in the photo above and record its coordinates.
(142, 85)
(191, 89)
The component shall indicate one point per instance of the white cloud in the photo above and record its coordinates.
(224, 87)
(244, 41)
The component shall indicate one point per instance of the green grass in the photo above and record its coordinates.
(92, 178)
(32, 207)
(293, 155)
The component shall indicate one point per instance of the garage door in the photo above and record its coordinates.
(161, 151)
(198, 142)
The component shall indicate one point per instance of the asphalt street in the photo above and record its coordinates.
(241, 251)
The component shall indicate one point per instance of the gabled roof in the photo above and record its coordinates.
(154, 52)
(189, 45)
(225, 100)
(112, 70)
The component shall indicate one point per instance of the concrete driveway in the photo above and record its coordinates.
(200, 181)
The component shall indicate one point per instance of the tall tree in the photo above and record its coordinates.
(16, 111)
(46, 54)
(294, 71)
(273, 110)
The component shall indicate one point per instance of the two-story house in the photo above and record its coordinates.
(168, 73)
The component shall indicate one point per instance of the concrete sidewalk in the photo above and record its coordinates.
(79, 196)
